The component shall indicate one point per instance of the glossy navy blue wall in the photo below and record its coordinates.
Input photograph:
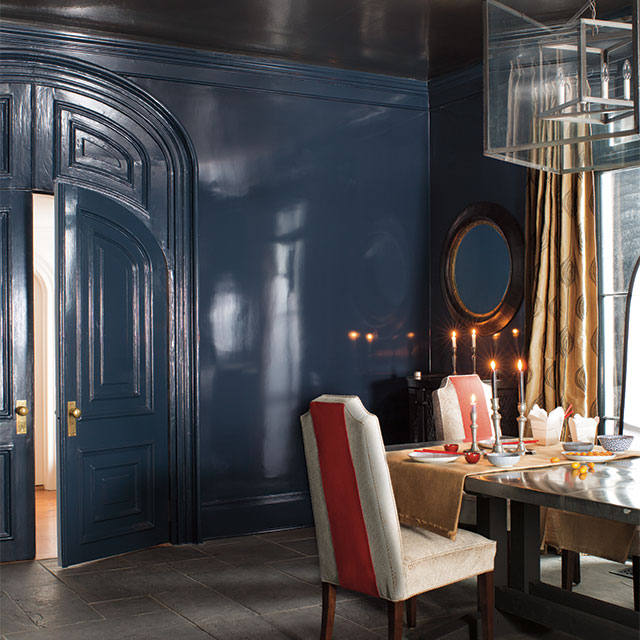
(312, 223)
(460, 175)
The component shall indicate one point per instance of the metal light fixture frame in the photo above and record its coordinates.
(610, 136)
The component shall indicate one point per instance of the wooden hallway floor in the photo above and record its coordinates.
(46, 524)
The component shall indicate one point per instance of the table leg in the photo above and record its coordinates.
(492, 523)
(524, 557)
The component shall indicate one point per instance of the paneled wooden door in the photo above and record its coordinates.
(113, 402)
(17, 525)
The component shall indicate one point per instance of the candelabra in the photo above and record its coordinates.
(496, 418)
(522, 421)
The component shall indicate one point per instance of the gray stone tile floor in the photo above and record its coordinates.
(256, 587)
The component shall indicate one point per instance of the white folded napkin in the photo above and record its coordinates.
(583, 429)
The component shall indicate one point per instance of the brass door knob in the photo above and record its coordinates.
(75, 413)
(22, 410)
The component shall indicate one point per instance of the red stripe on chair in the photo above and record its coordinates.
(348, 531)
(465, 386)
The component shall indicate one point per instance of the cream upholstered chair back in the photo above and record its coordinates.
(452, 408)
(357, 527)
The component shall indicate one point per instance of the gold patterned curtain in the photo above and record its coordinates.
(562, 296)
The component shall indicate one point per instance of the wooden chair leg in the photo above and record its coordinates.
(411, 611)
(636, 582)
(568, 568)
(328, 610)
(395, 620)
(486, 604)
(576, 569)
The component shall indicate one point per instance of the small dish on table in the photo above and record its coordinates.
(577, 447)
(436, 458)
(506, 459)
(589, 456)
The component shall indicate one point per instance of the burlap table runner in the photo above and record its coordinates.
(430, 495)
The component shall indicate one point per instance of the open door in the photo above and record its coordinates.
(113, 413)
(17, 509)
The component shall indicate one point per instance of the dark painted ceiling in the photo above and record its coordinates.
(406, 38)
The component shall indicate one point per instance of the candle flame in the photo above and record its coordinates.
(353, 335)
(493, 365)
(453, 334)
(473, 398)
(411, 335)
(369, 337)
(473, 332)
(519, 365)
(515, 331)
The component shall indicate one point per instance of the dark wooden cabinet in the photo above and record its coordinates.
(421, 423)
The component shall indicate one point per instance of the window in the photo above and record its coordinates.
(619, 240)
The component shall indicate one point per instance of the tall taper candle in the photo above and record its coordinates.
(473, 338)
(454, 352)
(474, 410)
(521, 382)
(494, 379)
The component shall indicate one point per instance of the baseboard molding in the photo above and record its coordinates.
(256, 514)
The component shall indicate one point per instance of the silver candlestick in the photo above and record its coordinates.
(473, 359)
(522, 421)
(474, 448)
(454, 360)
(496, 418)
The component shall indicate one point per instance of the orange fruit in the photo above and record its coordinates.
(584, 469)
(575, 465)
(554, 460)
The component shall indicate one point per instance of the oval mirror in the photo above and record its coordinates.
(483, 267)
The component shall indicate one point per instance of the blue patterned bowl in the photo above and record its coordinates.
(616, 444)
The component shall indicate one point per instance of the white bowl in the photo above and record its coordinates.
(503, 459)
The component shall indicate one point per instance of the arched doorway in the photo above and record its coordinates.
(81, 129)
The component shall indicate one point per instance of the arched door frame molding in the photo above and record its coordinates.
(41, 68)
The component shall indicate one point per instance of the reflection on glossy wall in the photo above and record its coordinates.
(312, 224)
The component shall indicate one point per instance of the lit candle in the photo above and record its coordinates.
(369, 337)
(494, 379)
(474, 411)
(473, 338)
(626, 75)
(521, 379)
(453, 340)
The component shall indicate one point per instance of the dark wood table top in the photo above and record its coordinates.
(612, 491)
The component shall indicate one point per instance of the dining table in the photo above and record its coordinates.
(508, 506)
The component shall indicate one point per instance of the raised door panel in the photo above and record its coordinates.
(17, 539)
(15, 129)
(117, 293)
(115, 489)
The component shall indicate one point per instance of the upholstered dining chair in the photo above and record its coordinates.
(451, 414)
(452, 408)
(361, 544)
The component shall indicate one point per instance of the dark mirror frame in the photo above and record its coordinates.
(505, 224)
(625, 353)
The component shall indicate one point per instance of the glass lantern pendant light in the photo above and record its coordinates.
(562, 97)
